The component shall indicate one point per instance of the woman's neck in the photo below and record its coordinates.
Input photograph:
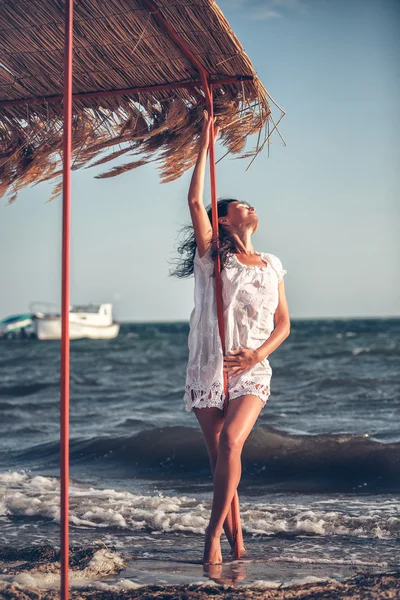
(243, 243)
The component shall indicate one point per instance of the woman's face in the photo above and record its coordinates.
(240, 214)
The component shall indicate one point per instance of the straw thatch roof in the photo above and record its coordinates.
(118, 45)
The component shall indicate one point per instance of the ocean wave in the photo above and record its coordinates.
(38, 498)
(345, 383)
(282, 461)
(28, 389)
(38, 567)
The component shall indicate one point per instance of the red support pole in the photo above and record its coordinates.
(207, 87)
(234, 508)
(65, 349)
(218, 285)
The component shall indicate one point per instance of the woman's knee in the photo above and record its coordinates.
(230, 441)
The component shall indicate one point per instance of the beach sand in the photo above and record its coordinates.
(101, 574)
(363, 587)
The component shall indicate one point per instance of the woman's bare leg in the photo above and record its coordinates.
(241, 416)
(211, 422)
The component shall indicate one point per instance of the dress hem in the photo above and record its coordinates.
(263, 397)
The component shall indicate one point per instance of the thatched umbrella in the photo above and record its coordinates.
(138, 88)
(143, 71)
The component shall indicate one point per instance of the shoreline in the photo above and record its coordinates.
(381, 586)
(105, 574)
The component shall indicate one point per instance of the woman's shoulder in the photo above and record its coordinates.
(275, 263)
(273, 257)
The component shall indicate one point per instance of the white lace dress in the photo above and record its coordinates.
(249, 297)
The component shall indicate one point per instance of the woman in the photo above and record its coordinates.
(256, 321)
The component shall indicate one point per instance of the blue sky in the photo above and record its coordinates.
(328, 202)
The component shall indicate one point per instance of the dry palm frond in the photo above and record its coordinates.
(109, 157)
(122, 169)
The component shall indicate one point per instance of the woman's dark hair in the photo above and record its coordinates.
(189, 245)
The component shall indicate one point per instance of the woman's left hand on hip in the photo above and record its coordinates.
(238, 361)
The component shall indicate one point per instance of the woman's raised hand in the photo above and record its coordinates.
(205, 132)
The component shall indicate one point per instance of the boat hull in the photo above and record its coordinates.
(50, 329)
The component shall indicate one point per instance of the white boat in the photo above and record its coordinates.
(17, 326)
(92, 321)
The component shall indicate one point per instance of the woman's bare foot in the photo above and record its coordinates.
(243, 552)
(212, 548)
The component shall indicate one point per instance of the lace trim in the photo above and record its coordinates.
(200, 395)
(196, 394)
(250, 387)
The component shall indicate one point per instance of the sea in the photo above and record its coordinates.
(320, 488)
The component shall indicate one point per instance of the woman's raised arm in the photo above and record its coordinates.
(201, 222)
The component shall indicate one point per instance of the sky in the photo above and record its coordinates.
(328, 201)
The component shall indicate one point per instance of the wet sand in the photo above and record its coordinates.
(360, 587)
(93, 576)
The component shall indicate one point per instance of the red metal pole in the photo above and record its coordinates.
(65, 349)
(218, 285)
(234, 508)
(207, 87)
